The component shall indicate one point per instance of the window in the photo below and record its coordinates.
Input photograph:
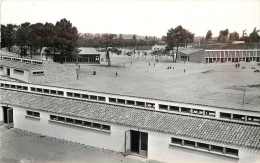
(19, 87)
(150, 105)
(7, 85)
(61, 119)
(60, 93)
(69, 94)
(233, 152)
(203, 146)
(78, 122)
(186, 110)
(253, 119)
(13, 86)
(217, 149)
(189, 143)
(92, 97)
(77, 95)
(113, 100)
(39, 90)
(106, 127)
(197, 111)
(2, 85)
(25, 88)
(130, 102)
(101, 98)
(53, 92)
(18, 71)
(33, 89)
(38, 73)
(163, 107)
(46, 91)
(86, 123)
(69, 120)
(53, 117)
(174, 108)
(176, 141)
(96, 125)
(225, 115)
(32, 113)
(85, 96)
(138, 103)
(238, 117)
(120, 101)
(210, 113)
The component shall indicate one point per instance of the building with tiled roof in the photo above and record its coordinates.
(35, 71)
(155, 129)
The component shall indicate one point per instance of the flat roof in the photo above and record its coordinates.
(20, 65)
(220, 85)
(215, 131)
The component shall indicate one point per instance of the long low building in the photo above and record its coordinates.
(155, 129)
(219, 56)
(35, 71)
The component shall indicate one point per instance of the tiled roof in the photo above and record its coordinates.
(19, 65)
(88, 50)
(215, 131)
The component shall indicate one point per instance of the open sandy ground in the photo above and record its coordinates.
(218, 84)
(19, 146)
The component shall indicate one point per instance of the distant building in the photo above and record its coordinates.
(238, 42)
(87, 55)
(35, 71)
(191, 55)
(158, 47)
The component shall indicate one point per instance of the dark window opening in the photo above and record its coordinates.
(120, 101)
(232, 151)
(101, 98)
(36, 114)
(60, 93)
(163, 107)
(78, 122)
(96, 125)
(7, 85)
(238, 117)
(29, 113)
(13, 86)
(203, 146)
(53, 92)
(174, 108)
(45, 91)
(69, 94)
(92, 97)
(189, 143)
(217, 149)
(138, 103)
(25, 88)
(86, 123)
(19, 87)
(69, 120)
(186, 110)
(33, 89)
(62, 119)
(113, 100)
(225, 115)
(130, 102)
(177, 141)
(84, 96)
(77, 95)
(2, 85)
(150, 105)
(53, 117)
(106, 127)
(39, 90)
(253, 119)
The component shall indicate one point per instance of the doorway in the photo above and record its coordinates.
(136, 142)
(8, 71)
(8, 116)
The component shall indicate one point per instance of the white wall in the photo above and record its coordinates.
(158, 144)
(19, 76)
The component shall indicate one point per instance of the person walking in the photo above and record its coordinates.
(116, 73)
(184, 71)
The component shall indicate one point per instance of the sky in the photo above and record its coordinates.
(141, 17)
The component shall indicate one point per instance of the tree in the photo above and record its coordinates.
(223, 34)
(177, 37)
(8, 35)
(233, 37)
(22, 40)
(254, 36)
(208, 36)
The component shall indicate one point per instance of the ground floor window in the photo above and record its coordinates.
(33, 113)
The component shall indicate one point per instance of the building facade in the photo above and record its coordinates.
(35, 71)
(161, 130)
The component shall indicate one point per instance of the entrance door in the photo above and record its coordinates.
(8, 71)
(8, 116)
(136, 142)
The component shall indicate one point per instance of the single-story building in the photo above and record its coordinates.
(191, 55)
(87, 55)
(154, 129)
(35, 71)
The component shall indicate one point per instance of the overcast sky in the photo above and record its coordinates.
(140, 17)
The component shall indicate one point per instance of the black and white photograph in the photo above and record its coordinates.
(130, 81)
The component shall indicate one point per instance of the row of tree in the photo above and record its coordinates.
(58, 39)
(226, 37)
